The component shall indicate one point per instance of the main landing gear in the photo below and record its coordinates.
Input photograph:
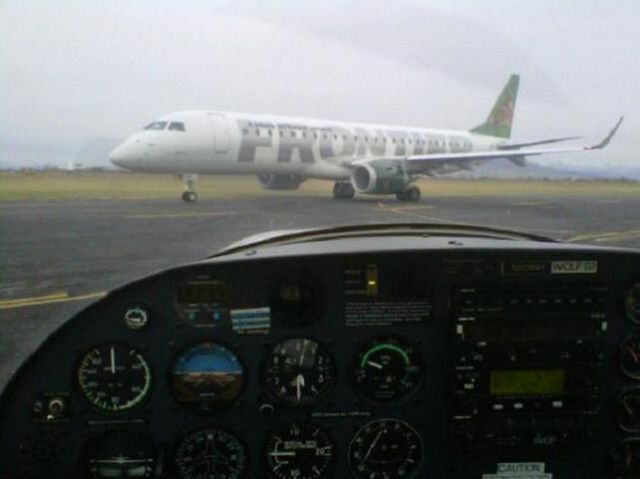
(190, 195)
(410, 194)
(343, 190)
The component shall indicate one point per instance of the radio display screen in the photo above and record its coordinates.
(209, 292)
(524, 382)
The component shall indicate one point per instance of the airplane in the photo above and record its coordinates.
(364, 158)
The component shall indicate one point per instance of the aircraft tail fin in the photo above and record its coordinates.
(499, 121)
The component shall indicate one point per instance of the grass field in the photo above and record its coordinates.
(90, 185)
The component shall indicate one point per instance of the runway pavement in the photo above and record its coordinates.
(56, 256)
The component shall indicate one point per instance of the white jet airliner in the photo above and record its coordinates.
(363, 158)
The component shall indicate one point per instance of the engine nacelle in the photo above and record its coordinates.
(270, 181)
(380, 178)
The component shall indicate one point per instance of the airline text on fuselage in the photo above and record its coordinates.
(337, 141)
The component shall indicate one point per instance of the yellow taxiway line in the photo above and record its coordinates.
(47, 299)
(608, 236)
(180, 215)
(530, 203)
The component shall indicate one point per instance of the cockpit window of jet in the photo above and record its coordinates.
(156, 125)
(407, 246)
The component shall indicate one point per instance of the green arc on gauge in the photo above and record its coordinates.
(379, 347)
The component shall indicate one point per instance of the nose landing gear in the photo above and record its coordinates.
(189, 195)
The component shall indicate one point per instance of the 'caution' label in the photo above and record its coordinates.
(519, 470)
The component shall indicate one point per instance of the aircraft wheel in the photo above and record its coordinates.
(343, 190)
(413, 193)
(348, 191)
(189, 197)
(401, 196)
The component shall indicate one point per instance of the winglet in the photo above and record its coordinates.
(607, 139)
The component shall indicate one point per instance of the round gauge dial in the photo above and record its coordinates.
(624, 460)
(207, 375)
(386, 449)
(300, 450)
(210, 454)
(121, 454)
(630, 356)
(299, 372)
(387, 370)
(628, 410)
(114, 377)
(632, 303)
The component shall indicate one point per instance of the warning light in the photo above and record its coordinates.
(372, 280)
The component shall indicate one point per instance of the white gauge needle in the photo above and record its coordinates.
(374, 365)
(304, 348)
(299, 386)
(113, 361)
(373, 444)
(282, 453)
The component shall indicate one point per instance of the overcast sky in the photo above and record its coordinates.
(72, 70)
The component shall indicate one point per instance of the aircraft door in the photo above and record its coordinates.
(220, 132)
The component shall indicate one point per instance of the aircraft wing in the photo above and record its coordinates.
(427, 162)
(517, 146)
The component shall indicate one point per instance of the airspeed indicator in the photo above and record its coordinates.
(114, 377)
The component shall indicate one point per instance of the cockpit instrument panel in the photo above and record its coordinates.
(352, 358)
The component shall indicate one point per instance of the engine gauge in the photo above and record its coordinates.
(632, 303)
(114, 377)
(300, 450)
(207, 375)
(299, 372)
(121, 454)
(630, 356)
(624, 460)
(387, 370)
(628, 410)
(210, 453)
(386, 449)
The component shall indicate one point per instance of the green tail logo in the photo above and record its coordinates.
(499, 121)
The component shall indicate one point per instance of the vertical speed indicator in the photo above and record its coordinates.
(386, 449)
(630, 356)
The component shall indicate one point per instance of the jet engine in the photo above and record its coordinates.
(270, 181)
(380, 177)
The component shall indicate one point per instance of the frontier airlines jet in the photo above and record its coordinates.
(285, 151)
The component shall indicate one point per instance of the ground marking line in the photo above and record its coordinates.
(530, 203)
(59, 295)
(180, 215)
(444, 221)
(59, 298)
(607, 236)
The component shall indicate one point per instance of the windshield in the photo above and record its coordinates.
(285, 116)
(156, 125)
